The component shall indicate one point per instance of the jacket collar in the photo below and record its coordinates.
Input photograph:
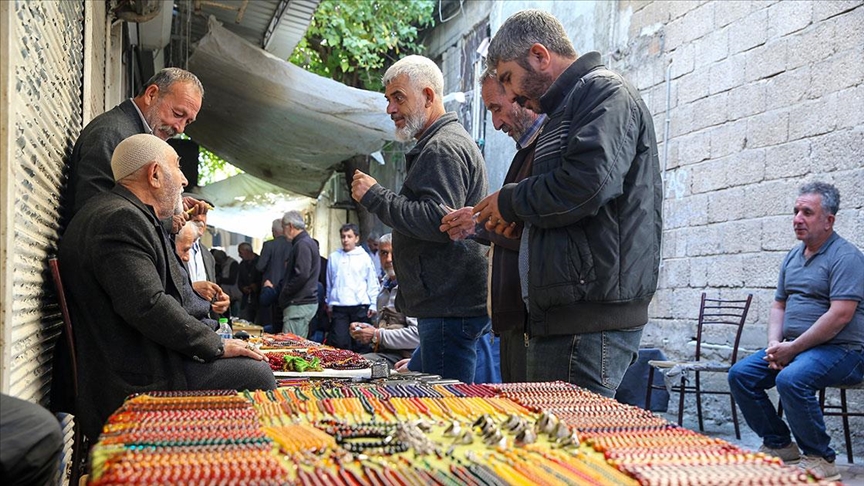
(430, 132)
(145, 208)
(562, 86)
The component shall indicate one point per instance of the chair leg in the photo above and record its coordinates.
(735, 417)
(681, 401)
(650, 388)
(845, 414)
(699, 403)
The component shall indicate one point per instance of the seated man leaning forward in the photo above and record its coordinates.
(124, 279)
(395, 336)
(815, 337)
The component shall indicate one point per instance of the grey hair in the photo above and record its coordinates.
(277, 225)
(524, 29)
(488, 73)
(189, 226)
(421, 71)
(295, 219)
(830, 195)
(167, 77)
(386, 239)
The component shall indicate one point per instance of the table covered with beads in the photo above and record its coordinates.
(404, 432)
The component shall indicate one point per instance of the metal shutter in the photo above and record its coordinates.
(43, 71)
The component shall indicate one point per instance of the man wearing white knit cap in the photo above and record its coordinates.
(126, 283)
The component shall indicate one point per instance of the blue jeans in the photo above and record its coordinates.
(488, 368)
(797, 385)
(595, 361)
(448, 346)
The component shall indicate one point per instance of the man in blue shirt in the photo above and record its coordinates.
(815, 337)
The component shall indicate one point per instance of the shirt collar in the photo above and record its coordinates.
(143, 120)
(531, 133)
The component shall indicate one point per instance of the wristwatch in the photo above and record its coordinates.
(375, 337)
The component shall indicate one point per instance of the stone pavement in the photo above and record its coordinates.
(852, 474)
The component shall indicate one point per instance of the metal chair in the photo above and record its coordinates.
(841, 411)
(712, 312)
(79, 448)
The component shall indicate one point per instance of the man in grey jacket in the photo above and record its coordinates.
(441, 282)
(592, 205)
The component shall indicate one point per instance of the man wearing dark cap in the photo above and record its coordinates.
(125, 281)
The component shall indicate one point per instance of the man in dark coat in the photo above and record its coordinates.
(169, 102)
(125, 284)
(592, 205)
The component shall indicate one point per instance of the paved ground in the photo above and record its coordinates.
(853, 474)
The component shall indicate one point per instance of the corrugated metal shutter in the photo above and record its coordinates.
(45, 62)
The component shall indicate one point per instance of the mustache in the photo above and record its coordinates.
(167, 129)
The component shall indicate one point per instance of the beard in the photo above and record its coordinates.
(390, 272)
(170, 197)
(523, 118)
(534, 85)
(414, 123)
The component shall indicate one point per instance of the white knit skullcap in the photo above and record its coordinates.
(137, 151)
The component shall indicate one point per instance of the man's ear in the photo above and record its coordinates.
(154, 174)
(429, 93)
(539, 57)
(150, 94)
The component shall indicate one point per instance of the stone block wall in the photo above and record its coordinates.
(763, 96)
(750, 99)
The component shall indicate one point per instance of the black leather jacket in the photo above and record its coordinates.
(593, 204)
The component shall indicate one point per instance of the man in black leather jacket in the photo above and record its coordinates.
(592, 205)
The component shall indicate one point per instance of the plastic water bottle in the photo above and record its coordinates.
(225, 331)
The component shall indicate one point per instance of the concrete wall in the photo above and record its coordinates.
(762, 96)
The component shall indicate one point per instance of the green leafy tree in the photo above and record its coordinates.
(212, 168)
(352, 41)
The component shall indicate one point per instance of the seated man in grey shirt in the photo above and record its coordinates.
(815, 337)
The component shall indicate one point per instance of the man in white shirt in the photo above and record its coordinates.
(352, 288)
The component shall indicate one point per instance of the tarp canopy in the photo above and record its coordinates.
(276, 121)
(247, 205)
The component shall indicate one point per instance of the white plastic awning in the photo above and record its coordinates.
(276, 121)
(247, 205)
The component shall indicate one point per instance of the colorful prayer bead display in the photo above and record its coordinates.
(333, 432)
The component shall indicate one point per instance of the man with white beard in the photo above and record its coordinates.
(127, 292)
(442, 282)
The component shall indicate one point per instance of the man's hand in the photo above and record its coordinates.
(459, 223)
(487, 211)
(267, 283)
(361, 332)
(361, 185)
(193, 208)
(401, 366)
(219, 301)
(371, 313)
(780, 355)
(237, 347)
(178, 221)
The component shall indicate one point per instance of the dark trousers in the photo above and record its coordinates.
(342, 317)
(31, 443)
